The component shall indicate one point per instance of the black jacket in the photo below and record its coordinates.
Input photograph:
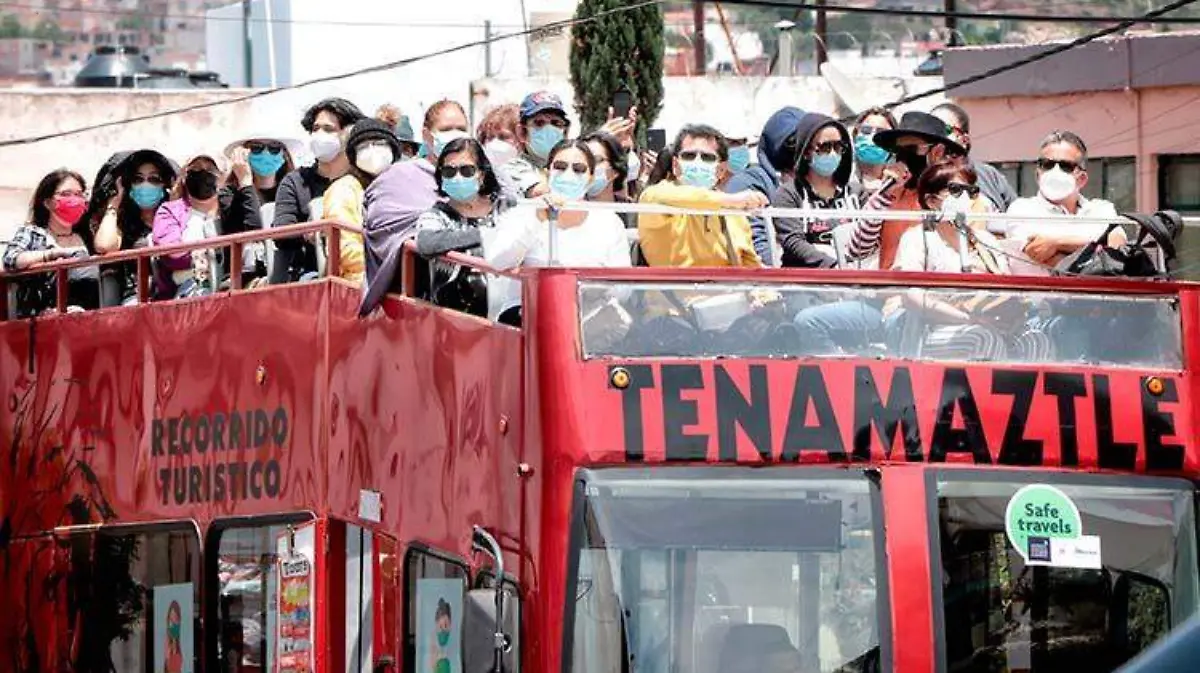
(792, 233)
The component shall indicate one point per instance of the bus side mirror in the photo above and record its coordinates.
(483, 541)
(1140, 614)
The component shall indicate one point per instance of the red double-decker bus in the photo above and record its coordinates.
(261, 481)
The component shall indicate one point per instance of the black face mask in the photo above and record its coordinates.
(201, 185)
(915, 163)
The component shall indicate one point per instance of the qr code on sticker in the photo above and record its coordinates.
(1039, 549)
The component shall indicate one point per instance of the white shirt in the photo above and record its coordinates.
(1017, 233)
(920, 250)
(521, 239)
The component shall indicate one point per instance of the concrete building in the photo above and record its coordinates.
(1135, 100)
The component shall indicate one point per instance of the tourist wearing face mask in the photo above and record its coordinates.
(822, 177)
(399, 123)
(776, 165)
(992, 182)
(198, 214)
(56, 230)
(270, 158)
(1062, 175)
(739, 150)
(328, 122)
(128, 190)
(870, 160)
(700, 160)
(372, 148)
(543, 125)
(920, 140)
(472, 199)
(583, 239)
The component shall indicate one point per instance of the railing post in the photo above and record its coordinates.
(61, 290)
(408, 270)
(235, 265)
(333, 255)
(143, 280)
(3, 299)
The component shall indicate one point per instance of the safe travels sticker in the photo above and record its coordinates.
(1044, 526)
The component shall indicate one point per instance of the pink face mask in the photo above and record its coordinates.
(70, 208)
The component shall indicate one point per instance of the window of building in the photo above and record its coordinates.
(1110, 178)
(133, 593)
(436, 587)
(241, 561)
(1179, 189)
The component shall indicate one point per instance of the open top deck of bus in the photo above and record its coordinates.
(614, 472)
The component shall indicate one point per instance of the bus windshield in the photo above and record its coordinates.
(1001, 614)
(717, 570)
(945, 324)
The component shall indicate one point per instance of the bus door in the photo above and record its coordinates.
(293, 616)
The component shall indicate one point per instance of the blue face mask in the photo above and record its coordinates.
(739, 158)
(264, 163)
(542, 140)
(827, 164)
(867, 152)
(569, 185)
(459, 188)
(147, 196)
(698, 173)
(599, 181)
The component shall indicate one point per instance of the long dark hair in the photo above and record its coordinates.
(663, 166)
(39, 214)
(489, 185)
(616, 157)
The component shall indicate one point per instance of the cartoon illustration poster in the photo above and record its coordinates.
(294, 639)
(439, 625)
(173, 620)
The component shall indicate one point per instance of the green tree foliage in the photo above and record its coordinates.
(10, 27)
(48, 31)
(620, 48)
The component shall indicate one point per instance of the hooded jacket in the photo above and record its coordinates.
(776, 153)
(798, 237)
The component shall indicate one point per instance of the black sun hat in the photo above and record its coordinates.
(919, 125)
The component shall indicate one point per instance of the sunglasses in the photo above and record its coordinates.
(829, 146)
(1049, 164)
(692, 155)
(959, 188)
(259, 148)
(152, 179)
(868, 130)
(555, 122)
(562, 166)
(465, 170)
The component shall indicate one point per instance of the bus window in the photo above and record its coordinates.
(434, 607)
(1000, 614)
(134, 595)
(674, 578)
(244, 588)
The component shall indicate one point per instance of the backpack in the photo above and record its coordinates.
(1132, 259)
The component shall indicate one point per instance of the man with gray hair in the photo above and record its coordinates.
(1062, 175)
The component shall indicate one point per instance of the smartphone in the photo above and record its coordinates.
(622, 103)
(887, 184)
(656, 140)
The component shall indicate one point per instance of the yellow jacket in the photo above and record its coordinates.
(343, 202)
(692, 240)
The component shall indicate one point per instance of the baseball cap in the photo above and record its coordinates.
(541, 101)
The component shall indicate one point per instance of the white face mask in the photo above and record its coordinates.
(325, 146)
(953, 206)
(1056, 185)
(500, 152)
(633, 166)
(374, 159)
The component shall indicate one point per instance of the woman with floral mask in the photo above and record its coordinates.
(372, 148)
(473, 198)
(583, 239)
(300, 194)
(56, 230)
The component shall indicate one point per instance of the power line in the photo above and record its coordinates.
(1151, 17)
(1034, 58)
(567, 23)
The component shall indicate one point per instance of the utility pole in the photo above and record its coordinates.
(951, 23)
(249, 51)
(699, 47)
(822, 36)
(487, 48)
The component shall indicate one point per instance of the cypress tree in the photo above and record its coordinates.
(618, 48)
